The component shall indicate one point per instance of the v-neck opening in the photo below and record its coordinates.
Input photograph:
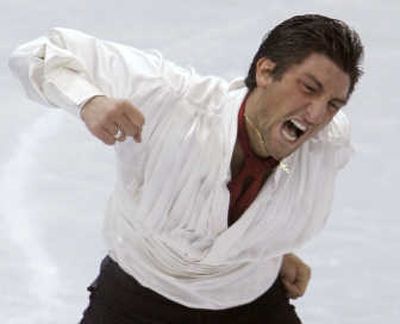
(255, 170)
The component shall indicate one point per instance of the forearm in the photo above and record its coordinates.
(67, 67)
(52, 74)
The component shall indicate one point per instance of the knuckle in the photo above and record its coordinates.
(108, 140)
(109, 115)
(140, 116)
(112, 142)
(96, 129)
(141, 120)
(125, 102)
(115, 109)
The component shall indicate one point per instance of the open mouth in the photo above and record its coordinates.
(293, 129)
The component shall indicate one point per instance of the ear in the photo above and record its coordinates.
(264, 69)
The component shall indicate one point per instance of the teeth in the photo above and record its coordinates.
(293, 129)
(299, 125)
(289, 136)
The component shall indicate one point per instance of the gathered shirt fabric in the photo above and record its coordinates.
(166, 221)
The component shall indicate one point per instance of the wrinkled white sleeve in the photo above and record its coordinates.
(67, 67)
(335, 140)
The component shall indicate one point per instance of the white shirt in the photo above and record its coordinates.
(166, 221)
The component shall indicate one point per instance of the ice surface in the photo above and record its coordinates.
(55, 178)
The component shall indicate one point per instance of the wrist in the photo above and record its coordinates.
(87, 102)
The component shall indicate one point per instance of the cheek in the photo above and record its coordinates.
(329, 118)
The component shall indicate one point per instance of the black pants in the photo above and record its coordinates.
(117, 298)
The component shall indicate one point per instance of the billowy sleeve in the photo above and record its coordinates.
(335, 140)
(67, 67)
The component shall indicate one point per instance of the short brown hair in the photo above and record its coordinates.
(294, 39)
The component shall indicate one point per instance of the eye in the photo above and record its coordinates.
(333, 106)
(308, 87)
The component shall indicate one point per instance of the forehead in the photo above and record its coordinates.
(323, 69)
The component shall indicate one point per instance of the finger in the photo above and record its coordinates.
(303, 278)
(291, 289)
(120, 134)
(122, 137)
(111, 128)
(288, 274)
(129, 128)
(117, 133)
(302, 286)
(134, 115)
(120, 128)
(138, 136)
(105, 137)
(136, 118)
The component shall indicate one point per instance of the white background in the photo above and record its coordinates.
(55, 178)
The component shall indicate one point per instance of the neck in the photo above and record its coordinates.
(257, 141)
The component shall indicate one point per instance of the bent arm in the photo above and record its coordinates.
(67, 67)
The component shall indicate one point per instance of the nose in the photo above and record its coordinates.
(316, 112)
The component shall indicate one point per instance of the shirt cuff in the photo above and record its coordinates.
(70, 90)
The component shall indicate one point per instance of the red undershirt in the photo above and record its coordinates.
(247, 183)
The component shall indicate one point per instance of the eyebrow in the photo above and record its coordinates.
(321, 87)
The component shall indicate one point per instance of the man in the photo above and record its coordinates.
(217, 182)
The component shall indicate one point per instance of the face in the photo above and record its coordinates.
(290, 110)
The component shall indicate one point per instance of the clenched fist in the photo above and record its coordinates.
(295, 275)
(112, 120)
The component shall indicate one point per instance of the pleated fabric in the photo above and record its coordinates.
(166, 221)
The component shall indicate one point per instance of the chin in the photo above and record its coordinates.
(278, 155)
(280, 150)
